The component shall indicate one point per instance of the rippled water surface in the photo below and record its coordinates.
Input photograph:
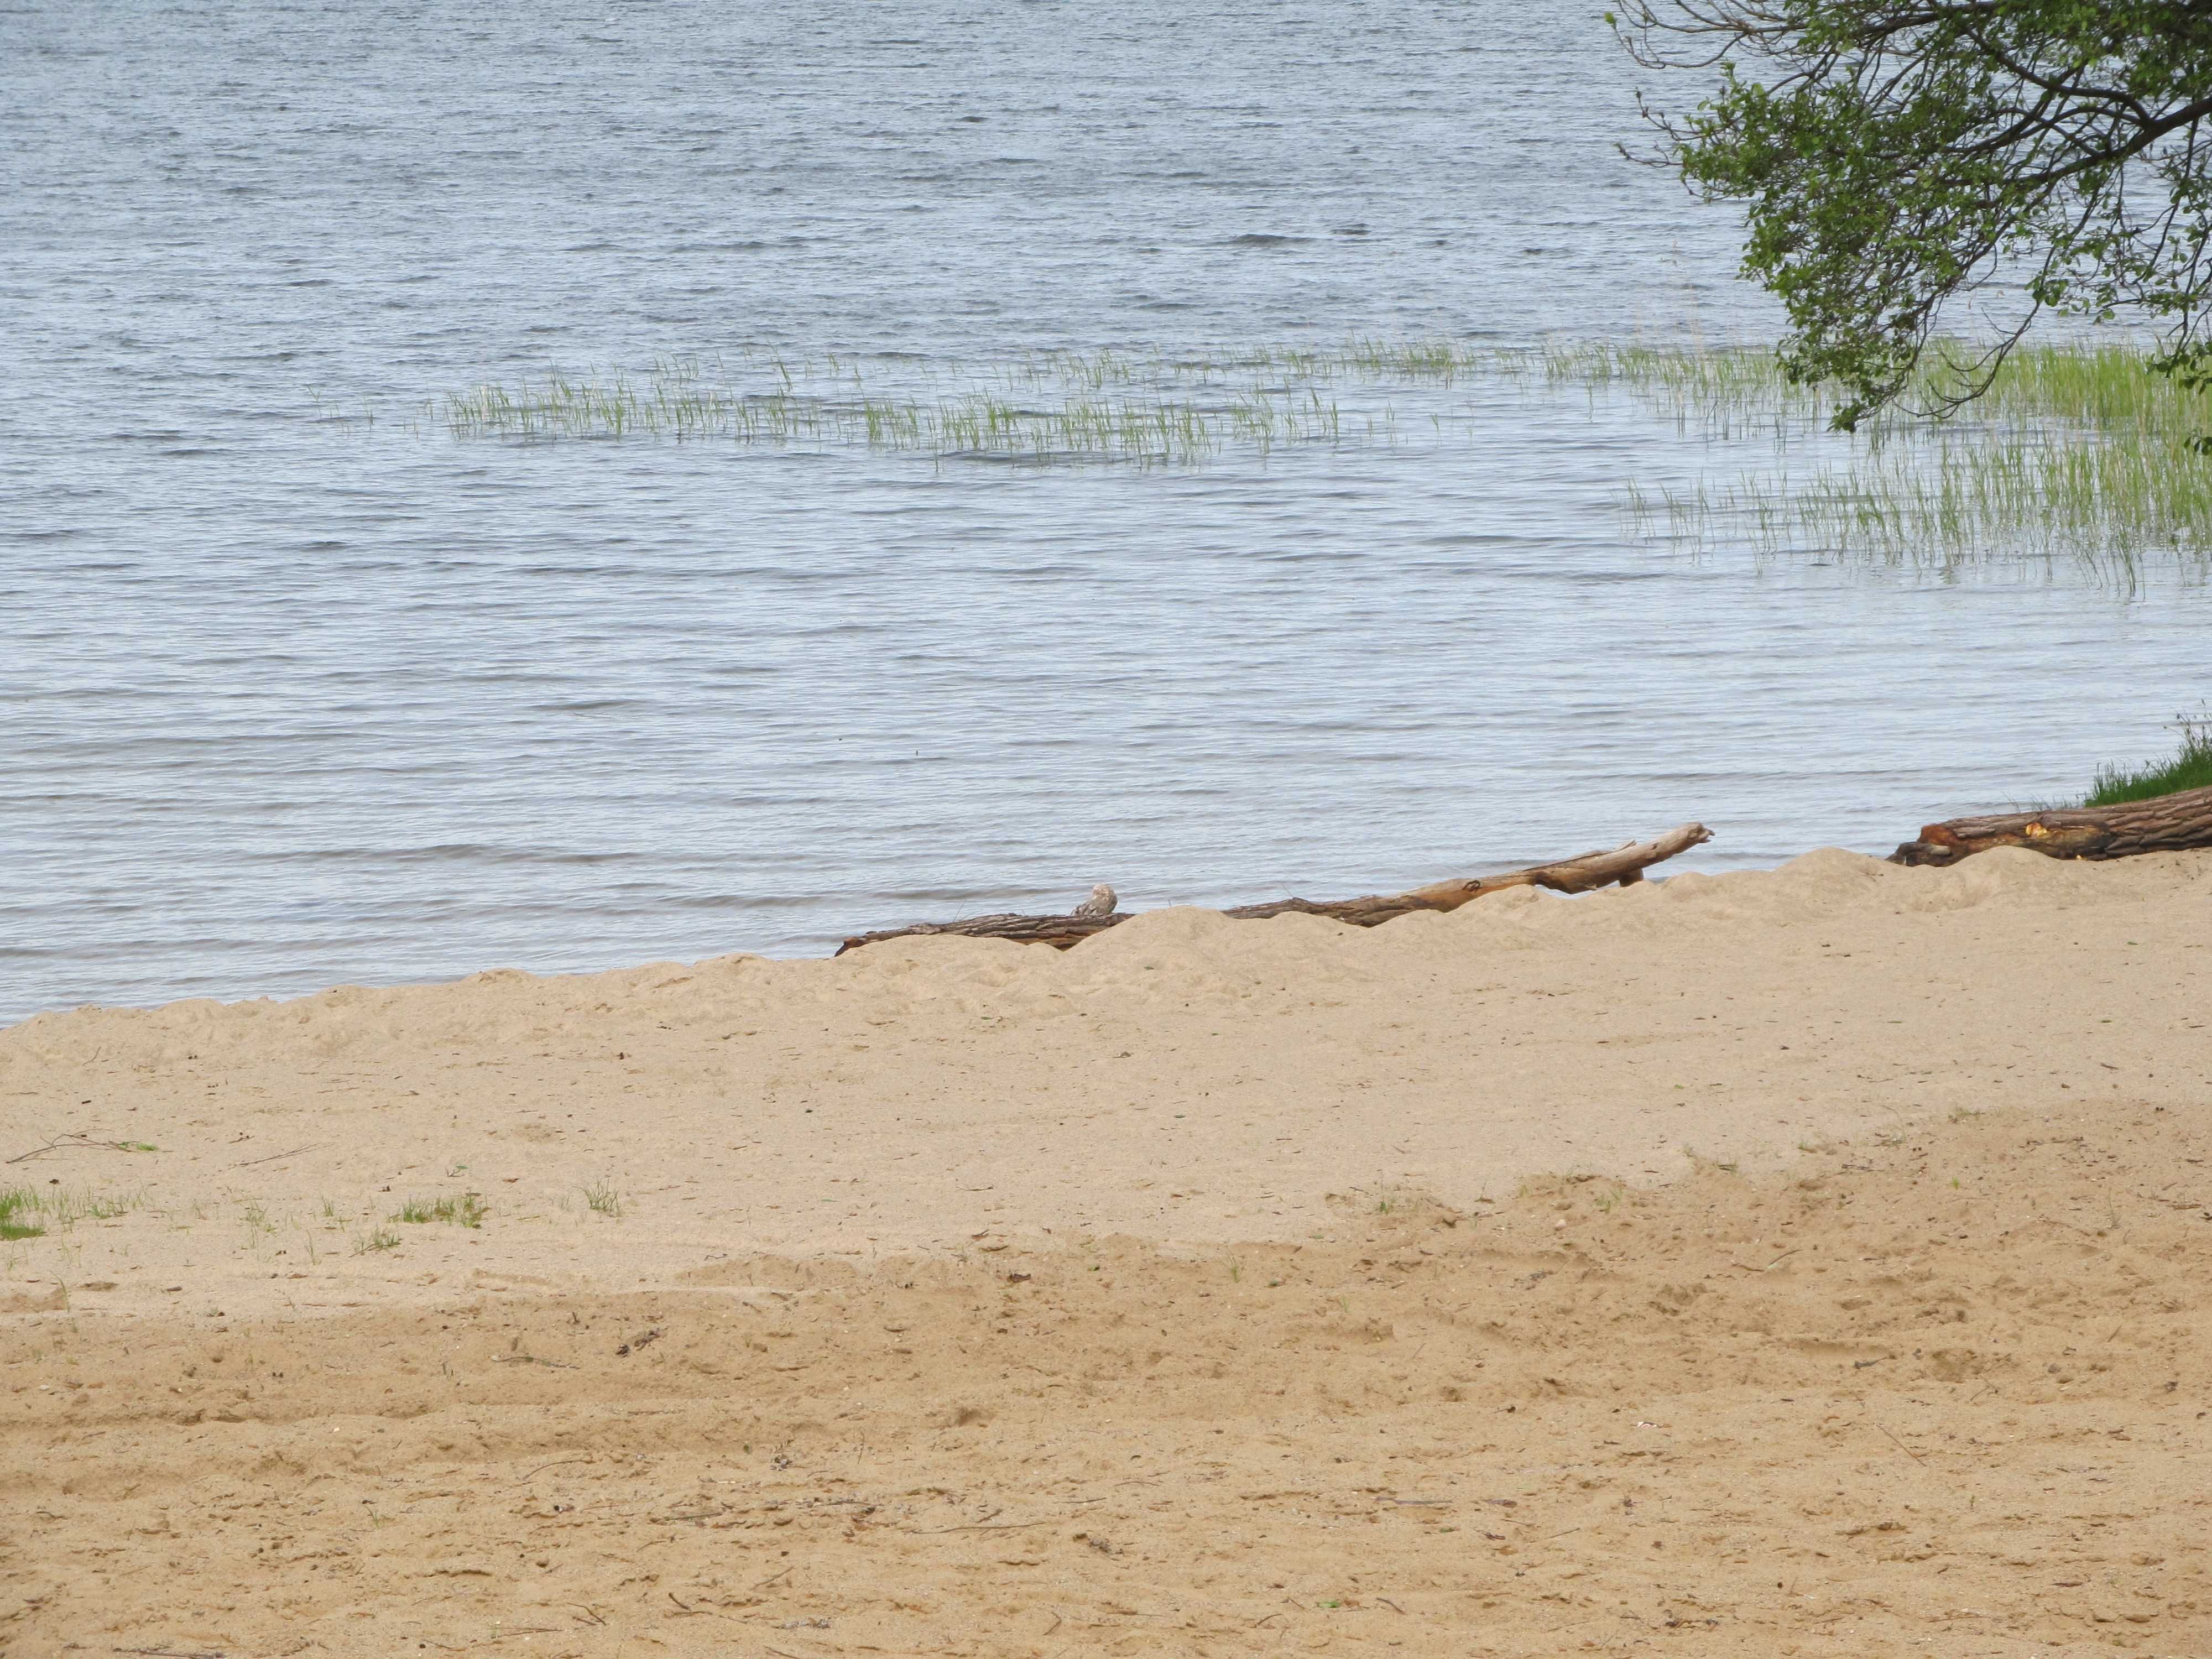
(291, 700)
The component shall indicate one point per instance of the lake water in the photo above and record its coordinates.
(291, 701)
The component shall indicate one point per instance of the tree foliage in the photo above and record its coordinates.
(1896, 155)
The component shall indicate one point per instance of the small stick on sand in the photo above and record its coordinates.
(81, 1143)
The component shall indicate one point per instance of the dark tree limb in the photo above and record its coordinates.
(2166, 823)
(1623, 864)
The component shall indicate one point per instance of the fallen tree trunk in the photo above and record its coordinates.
(1623, 864)
(2166, 823)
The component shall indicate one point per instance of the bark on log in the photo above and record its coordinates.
(2166, 823)
(1623, 864)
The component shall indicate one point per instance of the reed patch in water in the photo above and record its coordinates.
(2073, 450)
(2081, 450)
(1190, 411)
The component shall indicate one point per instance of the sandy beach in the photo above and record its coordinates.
(1807, 1261)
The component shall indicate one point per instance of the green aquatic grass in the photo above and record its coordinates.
(2191, 769)
(1157, 407)
(680, 401)
(2074, 450)
(2078, 450)
(2107, 384)
(2113, 495)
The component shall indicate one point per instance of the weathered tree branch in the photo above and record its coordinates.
(1623, 864)
(2166, 823)
(1065, 932)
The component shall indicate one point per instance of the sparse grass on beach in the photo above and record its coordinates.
(14, 1202)
(58, 1209)
(466, 1211)
(604, 1200)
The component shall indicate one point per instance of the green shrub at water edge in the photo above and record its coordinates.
(2190, 769)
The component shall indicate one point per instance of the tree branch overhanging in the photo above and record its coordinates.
(1892, 158)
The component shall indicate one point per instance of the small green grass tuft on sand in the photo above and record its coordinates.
(59, 1209)
(14, 1201)
(466, 1211)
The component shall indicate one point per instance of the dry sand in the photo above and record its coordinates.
(1813, 1261)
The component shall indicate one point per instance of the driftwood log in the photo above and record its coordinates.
(1622, 864)
(2166, 823)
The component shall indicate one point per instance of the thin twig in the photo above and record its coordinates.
(273, 1156)
(79, 1142)
(1901, 1446)
(1769, 1267)
(542, 1467)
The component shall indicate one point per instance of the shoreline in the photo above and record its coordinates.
(1812, 1260)
(1181, 1076)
